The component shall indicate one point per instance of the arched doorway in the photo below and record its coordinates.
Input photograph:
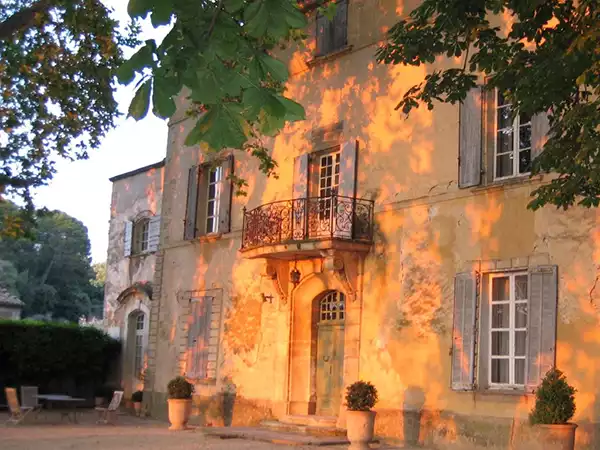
(330, 330)
(137, 337)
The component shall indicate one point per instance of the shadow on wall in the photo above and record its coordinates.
(414, 400)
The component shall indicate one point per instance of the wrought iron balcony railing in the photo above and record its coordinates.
(305, 219)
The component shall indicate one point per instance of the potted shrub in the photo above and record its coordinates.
(137, 398)
(554, 407)
(360, 420)
(180, 402)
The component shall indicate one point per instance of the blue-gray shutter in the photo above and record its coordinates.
(470, 139)
(300, 187)
(348, 156)
(323, 35)
(541, 323)
(192, 204)
(226, 193)
(539, 133)
(340, 26)
(203, 317)
(153, 233)
(463, 331)
(127, 239)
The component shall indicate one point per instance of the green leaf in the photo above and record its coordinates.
(162, 99)
(293, 111)
(161, 13)
(233, 6)
(256, 19)
(141, 101)
(221, 127)
(139, 8)
(276, 68)
(140, 59)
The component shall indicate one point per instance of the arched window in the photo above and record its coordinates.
(140, 236)
(332, 307)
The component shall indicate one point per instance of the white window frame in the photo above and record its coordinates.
(516, 125)
(138, 361)
(216, 200)
(141, 230)
(511, 329)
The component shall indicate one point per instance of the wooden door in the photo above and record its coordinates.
(330, 354)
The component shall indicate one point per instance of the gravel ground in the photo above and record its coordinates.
(129, 433)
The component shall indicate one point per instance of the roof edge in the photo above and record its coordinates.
(131, 173)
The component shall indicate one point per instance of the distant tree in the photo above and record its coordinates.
(54, 268)
(57, 60)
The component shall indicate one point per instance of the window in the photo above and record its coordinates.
(508, 329)
(513, 141)
(213, 197)
(332, 307)
(329, 181)
(140, 236)
(332, 34)
(140, 323)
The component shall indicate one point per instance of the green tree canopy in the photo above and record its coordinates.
(57, 61)
(54, 274)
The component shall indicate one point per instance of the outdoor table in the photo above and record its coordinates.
(69, 402)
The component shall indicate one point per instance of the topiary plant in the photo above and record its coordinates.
(361, 396)
(554, 400)
(137, 397)
(179, 388)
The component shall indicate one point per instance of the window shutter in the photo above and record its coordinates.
(340, 24)
(490, 133)
(300, 189)
(322, 35)
(226, 193)
(541, 323)
(128, 238)
(539, 133)
(192, 204)
(199, 337)
(463, 333)
(153, 234)
(347, 186)
(193, 332)
(469, 161)
(483, 362)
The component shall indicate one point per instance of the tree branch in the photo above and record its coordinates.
(213, 22)
(22, 19)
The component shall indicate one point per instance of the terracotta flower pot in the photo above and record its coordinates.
(179, 413)
(557, 437)
(137, 406)
(360, 426)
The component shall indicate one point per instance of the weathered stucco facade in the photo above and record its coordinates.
(136, 199)
(262, 338)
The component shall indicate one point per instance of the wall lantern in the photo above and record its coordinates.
(295, 275)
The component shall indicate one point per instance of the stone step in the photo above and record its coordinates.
(311, 430)
(276, 437)
(310, 420)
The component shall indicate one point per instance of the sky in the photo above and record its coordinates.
(81, 188)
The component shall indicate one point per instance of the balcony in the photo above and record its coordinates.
(306, 227)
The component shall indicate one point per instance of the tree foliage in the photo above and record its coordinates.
(548, 61)
(554, 400)
(53, 272)
(223, 53)
(57, 61)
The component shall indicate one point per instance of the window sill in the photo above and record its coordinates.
(140, 255)
(503, 392)
(211, 237)
(329, 56)
(508, 182)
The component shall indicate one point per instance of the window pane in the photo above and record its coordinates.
(519, 371)
(501, 316)
(505, 119)
(504, 141)
(210, 224)
(524, 118)
(521, 282)
(210, 210)
(212, 190)
(500, 289)
(525, 136)
(500, 369)
(521, 315)
(500, 340)
(212, 176)
(504, 165)
(525, 161)
(520, 343)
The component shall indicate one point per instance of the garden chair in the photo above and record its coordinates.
(107, 414)
(29, 398)
(17, 412)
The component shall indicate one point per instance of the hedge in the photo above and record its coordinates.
(40, 352)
